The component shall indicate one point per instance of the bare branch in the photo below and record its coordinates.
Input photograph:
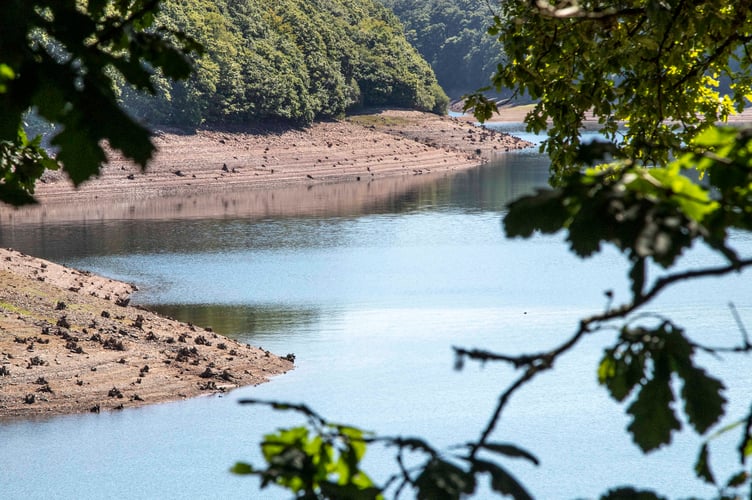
(537, 363)
(740, 324)
(483, 355)
(531, 372)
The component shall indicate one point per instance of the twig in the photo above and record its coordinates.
(538, 363)
(740, 324)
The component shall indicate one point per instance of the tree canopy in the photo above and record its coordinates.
(657, 74)
(660, 77)
(653, 73)
(452, 36)
(290, 59)
(62, 59)
(99, 70)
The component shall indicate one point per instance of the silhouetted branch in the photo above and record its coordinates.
(537, 363)
(740, 324)
(483, 356)
(531, 372)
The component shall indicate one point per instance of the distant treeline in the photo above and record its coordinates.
(452, 35)
(296, 60)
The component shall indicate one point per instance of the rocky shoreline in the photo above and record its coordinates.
(362, 148)
(71, 343)
(69, 340)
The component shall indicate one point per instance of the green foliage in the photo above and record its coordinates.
(649, 213)
(22, 162)
(62, 60)
(647, 358)
(451, 36)
(732, 488)
(655, 66)
(322, 462)
(292, 60)
(724, 155)
(652, 214)
(77, 65)
(651, 72)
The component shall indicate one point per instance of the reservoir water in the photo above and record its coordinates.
(370, 295)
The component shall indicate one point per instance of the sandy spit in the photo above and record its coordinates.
(70, 343)
(69, 340)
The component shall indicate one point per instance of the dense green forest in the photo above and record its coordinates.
(294, 60)
(452, 35)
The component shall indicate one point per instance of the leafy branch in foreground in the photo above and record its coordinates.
(322, 460)
(652, 216)
(62, 60)
(649, 72)
(653, 74)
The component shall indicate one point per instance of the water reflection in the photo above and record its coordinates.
(244, 322)
(63, 232)
(370, 293)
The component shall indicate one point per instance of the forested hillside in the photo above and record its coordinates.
(296, 60)
(452, 36)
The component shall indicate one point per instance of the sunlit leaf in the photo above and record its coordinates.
(607, 368)
(713, 137)
(746, 447)
(693, 199)
(273, 444)
(355, 440)
(620, 374)
(6, 72)
(362, 481)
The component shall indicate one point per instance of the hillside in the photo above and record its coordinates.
(294, 60)
(452, 35)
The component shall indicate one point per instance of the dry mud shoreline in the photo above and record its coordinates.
(69, 340)
(70, 343)
(362, 148)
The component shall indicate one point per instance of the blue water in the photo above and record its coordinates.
(371, 304)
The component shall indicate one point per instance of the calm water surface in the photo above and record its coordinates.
(371, 302)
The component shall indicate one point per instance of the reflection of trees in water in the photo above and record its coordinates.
(222, 222)
(242, 322)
